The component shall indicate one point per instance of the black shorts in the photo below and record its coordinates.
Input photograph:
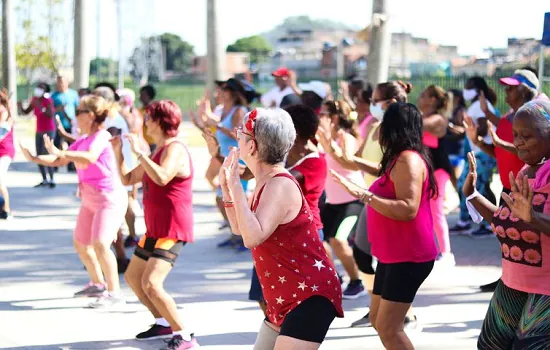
(255, 293)
(310, 320)
(333, 215)
(166, 249)
(364, 261)
(400, 281)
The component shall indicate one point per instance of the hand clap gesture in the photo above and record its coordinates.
(520, 199)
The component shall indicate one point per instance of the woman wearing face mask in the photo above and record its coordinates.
(473, 89)
(367, 159)
(42, 106)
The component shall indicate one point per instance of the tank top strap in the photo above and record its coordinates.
(256, 199)
(160, 152)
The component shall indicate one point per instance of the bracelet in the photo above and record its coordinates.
(366, 197)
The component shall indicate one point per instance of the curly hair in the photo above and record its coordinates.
(167, 114)
(306, 122)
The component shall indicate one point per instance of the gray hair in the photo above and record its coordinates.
(539, 112)
(275, 134)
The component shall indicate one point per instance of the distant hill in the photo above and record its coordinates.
(303, 23)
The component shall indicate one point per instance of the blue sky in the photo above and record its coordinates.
(472, 25)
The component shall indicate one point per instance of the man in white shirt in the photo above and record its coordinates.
(273, 97)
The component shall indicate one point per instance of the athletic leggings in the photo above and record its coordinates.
(516, 320)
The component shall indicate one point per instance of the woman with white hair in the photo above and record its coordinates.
(298, 280)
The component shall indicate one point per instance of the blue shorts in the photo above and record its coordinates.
(456, 161)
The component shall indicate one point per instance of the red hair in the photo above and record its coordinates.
(167, 114)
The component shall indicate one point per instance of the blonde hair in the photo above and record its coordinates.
(96, 105)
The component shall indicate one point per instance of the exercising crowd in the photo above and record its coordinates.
(362, 178)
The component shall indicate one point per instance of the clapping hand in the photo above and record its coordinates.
(520, 199)
(470, 184)
(229, 172)
(211, 143)
(471, 129)
(134, 143)
(323, 134)
(50, 147)
(352, 188)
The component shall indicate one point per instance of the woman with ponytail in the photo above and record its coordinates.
(103, 198)
(434, 105)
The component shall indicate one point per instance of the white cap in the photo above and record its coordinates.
(316, 86)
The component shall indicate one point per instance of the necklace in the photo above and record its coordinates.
(542, 161)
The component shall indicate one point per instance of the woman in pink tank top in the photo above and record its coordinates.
(298, 280)
(7, 150)
(168, 209)
(399, 221)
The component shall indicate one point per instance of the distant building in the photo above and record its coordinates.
(236, 63)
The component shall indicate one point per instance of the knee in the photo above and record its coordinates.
(337, 244)
(101, 247)
(150, 288)
(386, 330)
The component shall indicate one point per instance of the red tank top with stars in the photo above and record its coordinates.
(292, 264)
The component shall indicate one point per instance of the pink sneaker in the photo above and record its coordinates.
(178, 343)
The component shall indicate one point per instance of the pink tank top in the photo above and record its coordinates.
(7, 148)
(395, 241)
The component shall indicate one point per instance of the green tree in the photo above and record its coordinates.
(100, 66)
(179, 53)
(257, 46)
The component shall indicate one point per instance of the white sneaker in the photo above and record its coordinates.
(446, 260)
(108, 300)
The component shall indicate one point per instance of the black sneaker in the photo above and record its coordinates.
(178, 343)
(155, 332)
(52, 184)
(354, 290)
(363, 322)
(131, 242)
(481, 232)
(460, 228)
(490, 287)
(42, 184)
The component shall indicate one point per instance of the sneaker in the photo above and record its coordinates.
(52, 184)
(42, 184)
(131, 242)
(155, 332)
(227, 243)
(340, 279)
(178, 343)
(461, 228)
(107, 300)
(354, 290)
(362, 322)
(446, 260)
(122, 264)
(4, 215)
(489, 287)
(481, 232)
(411, 323)
(91, 290)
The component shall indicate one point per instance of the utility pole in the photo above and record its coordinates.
(98, 39)
(379, 44)
(119, 42)
(214, 53)
(81, 63)
(8, 53)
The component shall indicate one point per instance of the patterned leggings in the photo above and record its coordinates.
(516, 320)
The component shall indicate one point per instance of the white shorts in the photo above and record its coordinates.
(5, 162)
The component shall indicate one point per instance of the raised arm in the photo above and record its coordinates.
(483, 206)
(127, 177)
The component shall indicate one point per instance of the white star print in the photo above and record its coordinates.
(319, 264)
(330, 268)
(305, 245)
(305, 255)
(302, 285)
(261, 259)
(294, 295)
(297, 271)
(272, 287)
(267, 274)
(281, 244)
(328, 281)
(293, 261)
(279, 265)
(279, 300)
(282, 279)
(314, 288)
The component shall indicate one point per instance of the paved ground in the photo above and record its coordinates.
(39, 272)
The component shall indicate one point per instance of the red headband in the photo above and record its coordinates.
(251, 122)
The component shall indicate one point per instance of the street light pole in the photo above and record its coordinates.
(9, 72)
(379, 44)
(81, 63)
(214, 50)
(119, 39)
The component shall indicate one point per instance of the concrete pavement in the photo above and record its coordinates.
(39, 272)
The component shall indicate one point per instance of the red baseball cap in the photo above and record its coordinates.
(281, 72)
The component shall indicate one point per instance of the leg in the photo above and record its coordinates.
(378, 287)
(266, 338)
(212, 173)
(108, 264)
(88, 257)
(119, 246)
(51, 170)
(152, 284)
(344, 253)
(4, 165)
(40, 150)
(534, 326)
(502, 319)
(130, 214)
(441, 227)
(464, 216)
(389, 325)
(255, 292)
(134, 276)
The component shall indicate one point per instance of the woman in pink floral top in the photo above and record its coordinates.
(519, 312)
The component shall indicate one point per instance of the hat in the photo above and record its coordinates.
(289, 100)
(250, 92)
(281, 72)
(234, 85)
(315, 86)
(522, 77)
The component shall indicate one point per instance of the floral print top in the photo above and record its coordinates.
(525, 249)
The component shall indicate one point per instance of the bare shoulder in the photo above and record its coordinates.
(282, 186)
(408, 162)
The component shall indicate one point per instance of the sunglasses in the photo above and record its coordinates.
(241, 132)
(81, 111)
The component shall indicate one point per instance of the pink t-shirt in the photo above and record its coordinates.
(43, 123)
(103, 174)
(395, 241)
(363, 125)
(336, 193)
(525, 249)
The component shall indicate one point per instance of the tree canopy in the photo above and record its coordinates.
(257, 46)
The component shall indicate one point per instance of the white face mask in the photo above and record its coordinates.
(377, 111)
(38, 92)
(469, 94)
